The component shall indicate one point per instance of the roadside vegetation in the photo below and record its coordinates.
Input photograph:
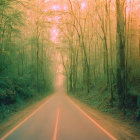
(25, 63)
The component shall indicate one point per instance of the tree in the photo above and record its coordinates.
(120, 42)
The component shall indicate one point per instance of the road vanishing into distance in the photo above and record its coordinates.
(58, 119)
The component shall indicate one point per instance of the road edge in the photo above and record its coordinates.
(91, 119)
(34, 111)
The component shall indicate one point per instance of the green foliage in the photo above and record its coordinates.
(24, 66)
(102, 62)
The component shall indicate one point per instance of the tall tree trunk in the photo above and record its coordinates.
(120, 44)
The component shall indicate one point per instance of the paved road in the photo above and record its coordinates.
(59, 119)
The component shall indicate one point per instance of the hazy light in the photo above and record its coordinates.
(46, 0)
(54, 34)
(65, 7)
(56, 7)
(83, 5)
(135, 4)
(57, 19)
(49, 19)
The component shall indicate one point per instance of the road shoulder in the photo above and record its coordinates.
(117, 128)
(20, 115)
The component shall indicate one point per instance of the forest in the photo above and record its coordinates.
(101, 53)
(98, 42)
(24, 55)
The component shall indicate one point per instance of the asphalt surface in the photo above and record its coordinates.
(58, 119)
